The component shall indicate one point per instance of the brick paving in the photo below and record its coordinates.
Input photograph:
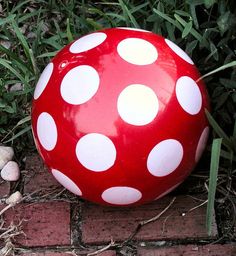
(46, 254)
(190, 250)
(42, 223)
(4, 188)
(99, 223)
(53, 222)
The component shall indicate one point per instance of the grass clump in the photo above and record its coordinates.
(31, 32)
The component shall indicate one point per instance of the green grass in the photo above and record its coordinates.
(31, 32)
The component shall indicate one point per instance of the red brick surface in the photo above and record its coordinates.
(190, 250)
(48, 226)
(38, 175)
(4, 188)
(100, 224)
(46, 254)
(43, 224)
(107, 253)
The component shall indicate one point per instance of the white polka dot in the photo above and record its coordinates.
(121, 195)
(137, 104)
(202, 143)
(88, 42)
(96, 152)
(43, 80)
(168, 191)
(188, 95)
(165, 157)
(66, 182)
(80, 84)
(134, 29)
(182, 54)
(137, 51)
(47, 131)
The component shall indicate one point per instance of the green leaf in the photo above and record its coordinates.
(170, 29)
(228, 83)
(223, 22)
(68, 31)
(194, 15)
(167, 18)
(197, 35)
(214, 51)
(127, 13)
(221, 100)
(94, 24)
(8, 19)
(182, 13)
(215, 159)
(187, 29)
(190, 47)
(209, 3)
(226, 141)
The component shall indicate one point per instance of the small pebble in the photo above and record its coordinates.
(14, 198)
(11, 171)
(16, 87)
(6, 154)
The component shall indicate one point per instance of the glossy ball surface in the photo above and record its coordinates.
(118, 116)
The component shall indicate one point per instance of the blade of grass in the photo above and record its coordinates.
(226, 140)
(116, 16)
(227, 155)
(139, 7)
(47, 54)
(194, 15)
(12, 56)
(99, 12)
(19, 5)
(13, 71)
(68, 31)
(25, 45)
(20, 133)
(187, 29)
(170, 20)
(127, 13)
(228, 65)
(215, 159)
(30, 15)
(192, 31)
(8, 19)
(94, 24)
(24, 120)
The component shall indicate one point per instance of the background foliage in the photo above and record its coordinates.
(31, 32)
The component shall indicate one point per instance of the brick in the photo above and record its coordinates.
(43, 224)
(190, 250)
(46, 254)
(100, 224)
(38, 176)
(67, 253)
(107, 253)
(4, 188)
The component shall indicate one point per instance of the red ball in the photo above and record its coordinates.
(118, 116)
